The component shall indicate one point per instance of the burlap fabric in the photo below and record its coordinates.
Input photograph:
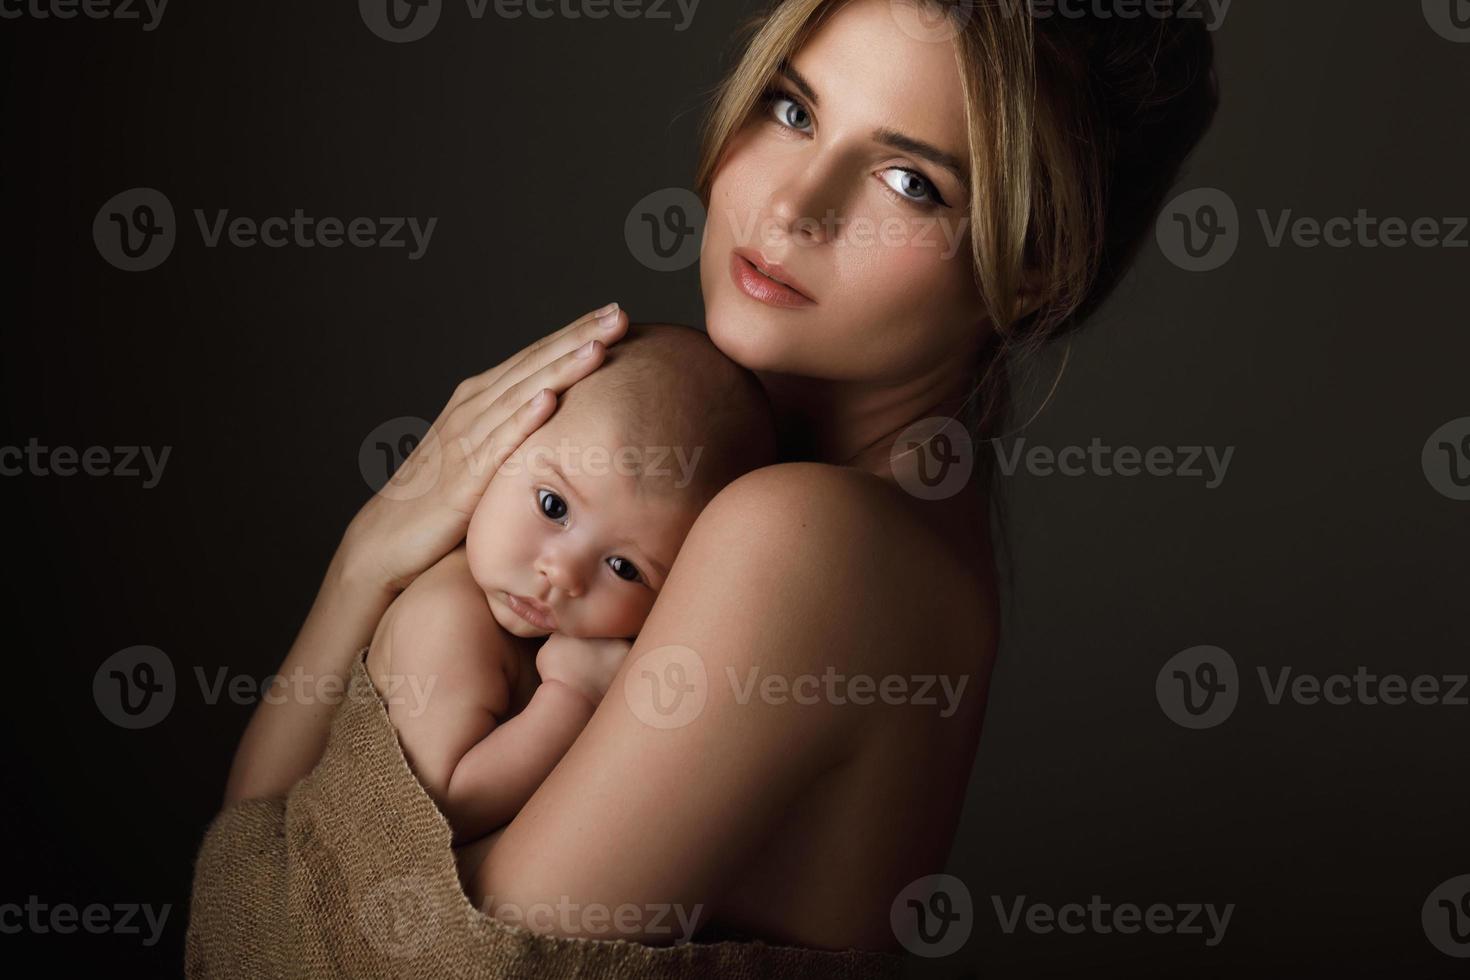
(351, 874)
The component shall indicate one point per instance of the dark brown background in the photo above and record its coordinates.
(1324, 549)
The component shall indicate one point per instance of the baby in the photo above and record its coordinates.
(574, 536)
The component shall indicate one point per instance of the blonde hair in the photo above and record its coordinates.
(1077, 128)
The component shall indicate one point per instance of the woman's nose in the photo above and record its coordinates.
(803, 204)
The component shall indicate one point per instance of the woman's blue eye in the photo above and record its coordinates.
(551, 505)
(623, 568)
(913, 186)
(793, 115)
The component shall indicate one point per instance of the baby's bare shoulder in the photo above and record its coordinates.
(442, 623)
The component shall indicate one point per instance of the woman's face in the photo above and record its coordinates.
(840, 179)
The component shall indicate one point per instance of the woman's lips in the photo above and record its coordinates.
(521, 606)
(759, 286)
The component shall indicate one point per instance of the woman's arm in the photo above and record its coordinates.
(418, 518)
(685, 769)
(284, 740)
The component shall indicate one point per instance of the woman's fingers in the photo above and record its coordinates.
(606, 325)
(559, 373)
(484, 413)
(505, 434)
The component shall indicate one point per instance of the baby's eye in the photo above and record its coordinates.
(623, 568)
(551, 505)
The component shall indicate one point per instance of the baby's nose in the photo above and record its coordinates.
(564, 573)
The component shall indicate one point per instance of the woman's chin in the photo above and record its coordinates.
(751, 335)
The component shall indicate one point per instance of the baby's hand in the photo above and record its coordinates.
(587, 666)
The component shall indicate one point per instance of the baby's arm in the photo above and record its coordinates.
(453, 670)
(498, 776)
(446, 669)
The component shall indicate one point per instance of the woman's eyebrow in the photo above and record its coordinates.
(928, 151)
(890, 137)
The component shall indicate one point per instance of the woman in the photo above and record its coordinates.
(902, 200)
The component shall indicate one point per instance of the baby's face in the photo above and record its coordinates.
(564, 523)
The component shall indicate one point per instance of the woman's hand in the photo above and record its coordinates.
(418, 518)
(424, 511)
(587, 666)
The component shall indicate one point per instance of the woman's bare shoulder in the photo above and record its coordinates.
(841, 540)
(819, 495)
(840, 514)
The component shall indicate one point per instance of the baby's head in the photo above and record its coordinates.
(585, 518)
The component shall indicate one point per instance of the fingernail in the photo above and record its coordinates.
(587, 349)
(607, 310)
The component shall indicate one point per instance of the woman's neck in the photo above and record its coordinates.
(851, 423)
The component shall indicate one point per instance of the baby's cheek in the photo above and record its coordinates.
(490, 529)
(619, 615)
